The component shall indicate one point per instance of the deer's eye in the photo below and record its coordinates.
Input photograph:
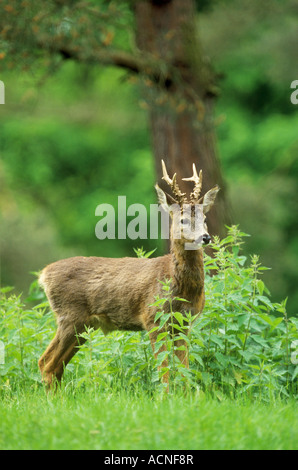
(184, 221)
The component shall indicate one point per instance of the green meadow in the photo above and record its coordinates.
(126, 421)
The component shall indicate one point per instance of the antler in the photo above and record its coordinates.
(179, 196)
(198, 184)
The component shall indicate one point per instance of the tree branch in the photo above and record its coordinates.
(157, 70)
(117, 58)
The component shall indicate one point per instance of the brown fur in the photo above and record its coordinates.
(113, 294)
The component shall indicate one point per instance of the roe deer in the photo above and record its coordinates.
(116, 293)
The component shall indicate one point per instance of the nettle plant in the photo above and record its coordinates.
(172, 327)
(243, 342)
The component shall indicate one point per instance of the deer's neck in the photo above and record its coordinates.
(188, 275)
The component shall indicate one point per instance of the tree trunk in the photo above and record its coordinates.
(181, 106)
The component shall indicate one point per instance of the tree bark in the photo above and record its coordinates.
(182, 128)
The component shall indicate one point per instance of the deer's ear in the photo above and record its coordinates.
(162, 198)
(209, 199)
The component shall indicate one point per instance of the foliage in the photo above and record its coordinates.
(87, 31)
(242, 344)
(24, 332)
(174, 328)
(243, 341)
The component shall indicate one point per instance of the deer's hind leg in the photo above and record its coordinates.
(60, 351)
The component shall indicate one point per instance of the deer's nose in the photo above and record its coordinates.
(206, 239)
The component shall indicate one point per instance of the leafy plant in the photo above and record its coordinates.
(173, 328)
(24, 333)
(242, 341)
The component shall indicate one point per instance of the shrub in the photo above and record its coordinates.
(24, 333)
(243, 342)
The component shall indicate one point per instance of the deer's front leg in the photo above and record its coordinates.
(181, 351)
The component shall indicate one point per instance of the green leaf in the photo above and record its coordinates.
(179, 317)
(150, 253)
(164, 318)
(267, 318)
(215, 339)
(295, 373)
(260, 286)
(158, 302)
(155, 328)
(158, 315)
(259, 340)
(238, 376)
(246, 355)
(207, 377)
(196, 357)
(241, 260)
(161, 336)
(276, 322)
(161, 357)
(6, 289)
(223, 360)
(181, 300)
(265, 300)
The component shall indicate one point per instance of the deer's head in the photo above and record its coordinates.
(188, 215)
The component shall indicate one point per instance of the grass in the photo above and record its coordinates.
(126, 421)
